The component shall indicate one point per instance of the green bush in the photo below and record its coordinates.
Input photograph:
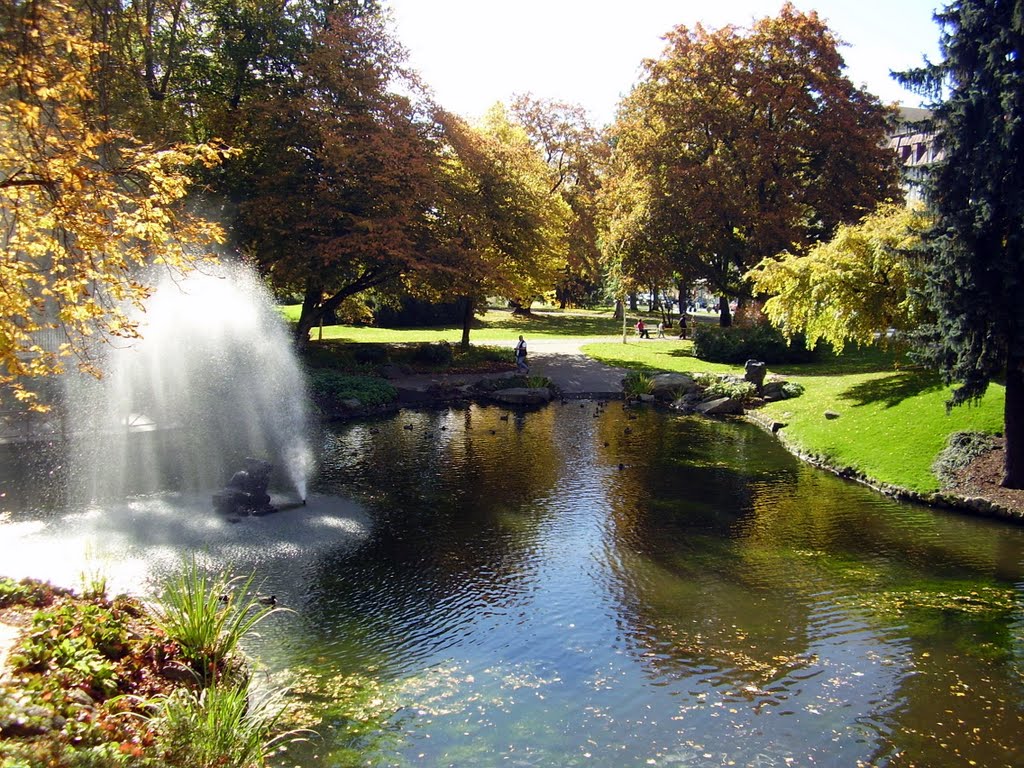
(208, 615)
(961, 449)
(637, 383)
(716, 386)
(27, 592)
(225, 725)
(371, 354)
(737, 344)
(330, 386)
(440, 353)
(791, 389)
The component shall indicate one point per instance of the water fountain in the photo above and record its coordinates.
(213, 380)
(195, 431)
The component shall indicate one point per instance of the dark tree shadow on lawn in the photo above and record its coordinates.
(894, 389)
(632, 365)
(541, 323)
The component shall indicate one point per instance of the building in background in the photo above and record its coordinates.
(913, 140)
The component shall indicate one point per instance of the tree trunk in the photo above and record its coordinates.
(309, 317)
(619, 310)
(632, 302)
(1013, 422)
(724, 316)
(467, 321)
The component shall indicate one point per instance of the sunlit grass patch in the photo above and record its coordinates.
(889, 426)
(493, 325)
(655, 356)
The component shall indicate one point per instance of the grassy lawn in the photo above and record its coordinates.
(654, 356)
(495, 325)
(892, 423)
(891, 426)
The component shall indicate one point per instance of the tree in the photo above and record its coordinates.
(529, 222)
(752, 142)
(85, 208)
(853, 288)
(975, 272)
(496, 227)
(574, 152)
(339, 178)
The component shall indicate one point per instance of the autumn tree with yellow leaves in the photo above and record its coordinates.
(85, 209)
(860, 285)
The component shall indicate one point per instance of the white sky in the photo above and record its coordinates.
(473, 53)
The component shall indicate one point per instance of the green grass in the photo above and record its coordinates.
(892, 422)
(891, 425)
(654, 356)
(494, 325)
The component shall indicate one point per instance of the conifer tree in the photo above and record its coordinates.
(975, 268)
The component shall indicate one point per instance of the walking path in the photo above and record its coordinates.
(561, 360)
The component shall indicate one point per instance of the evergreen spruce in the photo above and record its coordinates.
(975, 269)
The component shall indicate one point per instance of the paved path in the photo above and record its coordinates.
(560, 360)
(571, 371)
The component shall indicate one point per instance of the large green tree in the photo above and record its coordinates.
(497, 227)
(752, 142)
(975, 274)
(576, 155)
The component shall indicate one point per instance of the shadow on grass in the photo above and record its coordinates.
(554, 324)
(893, 389)
(632, 365)
(852, 360)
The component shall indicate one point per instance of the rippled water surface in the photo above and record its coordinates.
(596, 586)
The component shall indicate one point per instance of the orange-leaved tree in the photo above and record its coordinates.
(85, 209)
(339, 175)
(753, 141)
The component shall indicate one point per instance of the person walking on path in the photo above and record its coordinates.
(521, 365)
(641, 329)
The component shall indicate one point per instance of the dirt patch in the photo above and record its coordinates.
(982, 477)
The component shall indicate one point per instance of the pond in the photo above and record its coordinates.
(601, 586)
(594, 585)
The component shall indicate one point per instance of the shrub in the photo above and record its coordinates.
(737, 344)
(371, 354)
(27, 592)
(330, 386)
(637, 383)
(537, 382)
(791, 389)
(961, 449)
(228, 726)
(440, 353)
(716, 386)
(208, 615)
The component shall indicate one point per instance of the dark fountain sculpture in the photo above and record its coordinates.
(246, 491)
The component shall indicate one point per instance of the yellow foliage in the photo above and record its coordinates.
(85, 209)
(852, 288)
